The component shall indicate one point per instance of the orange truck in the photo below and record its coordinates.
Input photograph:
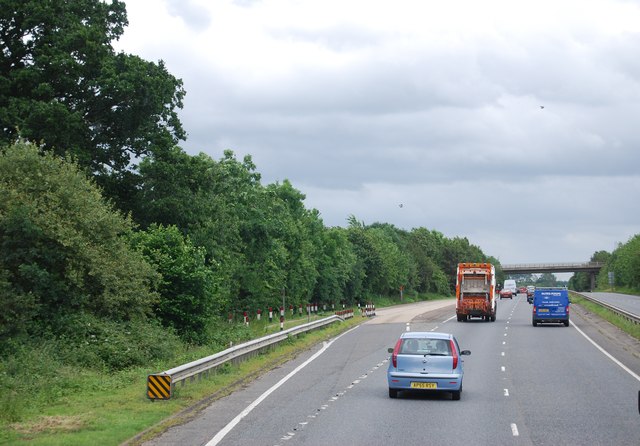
(475, 291)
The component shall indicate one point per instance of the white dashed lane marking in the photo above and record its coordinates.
(301, 425)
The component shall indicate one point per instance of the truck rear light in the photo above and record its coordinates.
(454, 353)
(394, 356)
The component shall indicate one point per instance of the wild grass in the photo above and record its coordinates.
(47, 397)
(45, 402)
(620, 322)
(618, 289)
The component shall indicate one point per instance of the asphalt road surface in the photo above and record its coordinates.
(625, 302)
(523, 385)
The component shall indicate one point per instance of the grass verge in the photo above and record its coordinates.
(113, 409)
(619, 290)
(608, 315)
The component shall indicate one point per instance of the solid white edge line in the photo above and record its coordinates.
(225, 430)
(606, 353)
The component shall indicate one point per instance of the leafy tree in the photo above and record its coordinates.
(63, 249)
(188, 299)
(427, 249)
(63, 85)
(547, 279)
(335, 266)
(302, 239)
(582, 281)
(356, 286)
(440, 283)
(382, 264)
(626, 263)
(400, 265)
(261, 277)
(197, 195)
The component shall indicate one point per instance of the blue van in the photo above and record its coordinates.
(550, 305)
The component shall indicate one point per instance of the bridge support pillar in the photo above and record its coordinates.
(592, 281)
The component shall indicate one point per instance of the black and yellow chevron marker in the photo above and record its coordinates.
(159, 387)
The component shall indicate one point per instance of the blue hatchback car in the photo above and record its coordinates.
(426, 361)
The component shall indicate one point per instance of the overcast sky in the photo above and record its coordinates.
(515, 124)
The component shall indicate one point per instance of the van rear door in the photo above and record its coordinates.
(551, 306)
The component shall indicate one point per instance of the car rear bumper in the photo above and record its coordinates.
(402, 381)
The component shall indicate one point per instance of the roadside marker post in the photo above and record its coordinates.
(159, 387)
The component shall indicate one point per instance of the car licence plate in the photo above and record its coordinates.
(543, 310)
(417, 385)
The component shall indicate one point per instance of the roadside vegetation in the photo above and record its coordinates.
(79, 406)
(623, 264)
(620, 322)
(47, 401)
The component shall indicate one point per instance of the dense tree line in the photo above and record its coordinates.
(623, 262)
(208, 240)
(109, 231)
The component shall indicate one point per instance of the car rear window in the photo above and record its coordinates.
(423, 346)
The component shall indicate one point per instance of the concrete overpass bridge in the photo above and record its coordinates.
(593, 268)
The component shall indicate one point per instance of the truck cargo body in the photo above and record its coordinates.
(475, 291)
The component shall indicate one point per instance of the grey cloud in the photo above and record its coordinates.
(194, 15)
(452, 129)
(339, 38)
(246, 3)
(552, 219)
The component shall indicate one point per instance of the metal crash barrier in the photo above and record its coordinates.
(160, 385)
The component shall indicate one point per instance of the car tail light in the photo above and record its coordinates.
(567, 309)
(394, 356)
(454, 352)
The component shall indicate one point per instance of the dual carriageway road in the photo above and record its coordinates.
(523, 385)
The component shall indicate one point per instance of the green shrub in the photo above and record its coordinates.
(87, 341)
